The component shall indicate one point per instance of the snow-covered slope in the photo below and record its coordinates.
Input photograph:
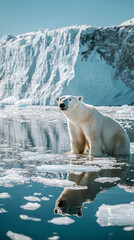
(97, 63)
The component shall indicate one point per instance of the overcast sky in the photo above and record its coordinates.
(21, 16)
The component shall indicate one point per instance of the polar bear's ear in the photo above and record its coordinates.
(80, 98)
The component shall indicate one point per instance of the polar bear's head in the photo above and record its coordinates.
(67, 207)
(68, 102)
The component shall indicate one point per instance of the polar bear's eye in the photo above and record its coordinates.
(69, 99)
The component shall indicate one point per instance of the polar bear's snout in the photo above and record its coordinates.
(62, 203)
(62, 105)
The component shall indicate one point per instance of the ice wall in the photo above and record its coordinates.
(79, 60)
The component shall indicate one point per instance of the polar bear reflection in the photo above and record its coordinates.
(71, 201)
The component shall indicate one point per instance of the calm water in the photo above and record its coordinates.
(46, 193)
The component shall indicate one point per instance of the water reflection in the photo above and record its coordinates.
(33, 146)
(39, 128)
(70, 202)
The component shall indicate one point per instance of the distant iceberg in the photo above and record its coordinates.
(95, 62)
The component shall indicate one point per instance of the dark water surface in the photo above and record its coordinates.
(46, 193)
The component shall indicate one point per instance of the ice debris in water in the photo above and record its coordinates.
(32, 198)
(45, 199)
(67, 168)
(13, 176)
(2, 210)
(57, 182)
(116, 215)
(61, 221)
(17, 236)
(129, 189)
(25, 217)
(107, 179)
(4, 195)
(130, 228)
(30, 206)
(54, 238)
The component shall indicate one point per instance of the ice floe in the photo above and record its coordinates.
(68, 168)
(25, 217)
(5, 195)
(37, 194)
(61, 221)
(107, 179)
(30, 206)
(106, 163)
(17, 236)
(126, 188)
(57, 182)
(2, 210)
(54, 238)
(116, 215)
(130, 228)
(32, 199)
(45, 198)
(12, 177)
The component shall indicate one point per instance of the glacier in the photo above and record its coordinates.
(96, 62)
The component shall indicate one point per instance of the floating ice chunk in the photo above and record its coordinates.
(4, 195)
(32, 198)
(45, 199)
(54, 238)
(132, 147)
(30, 206)
(68, 168)
(2, 210)
(130, 228)
(17, 236)
(77, 187)
(37, 194)
(61, 221)
(129, 189)
(107, 179)
(13, 176)
(116, 215)
(54, 182)
(107, 163)
(25, 217)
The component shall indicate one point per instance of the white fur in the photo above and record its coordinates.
(92, 129)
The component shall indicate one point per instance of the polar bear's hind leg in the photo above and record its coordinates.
(122, 144)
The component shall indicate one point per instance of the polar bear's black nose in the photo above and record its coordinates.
(62, 105)
(62, 204)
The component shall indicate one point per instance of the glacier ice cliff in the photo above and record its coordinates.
(95, 62)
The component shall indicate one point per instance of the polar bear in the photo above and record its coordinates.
(89, 128)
